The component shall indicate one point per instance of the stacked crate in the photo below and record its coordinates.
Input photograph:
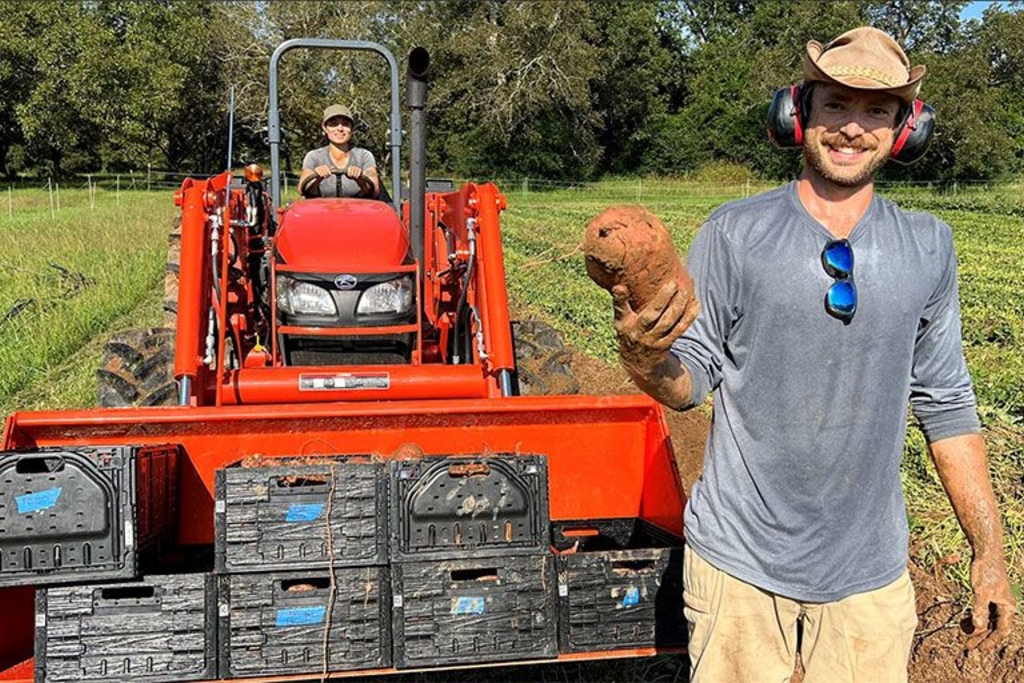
(83, 525)
(161, 628)
(472, 572)
(301, 550)
(620, 585)
(84, 514)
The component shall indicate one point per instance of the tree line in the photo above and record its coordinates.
(574, 89)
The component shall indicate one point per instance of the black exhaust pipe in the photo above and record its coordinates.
(416, 100)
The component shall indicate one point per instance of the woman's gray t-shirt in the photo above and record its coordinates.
(800, 493)
(357, 156)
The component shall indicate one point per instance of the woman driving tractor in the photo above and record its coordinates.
(339, 169)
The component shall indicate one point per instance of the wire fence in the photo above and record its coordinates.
(49, 194)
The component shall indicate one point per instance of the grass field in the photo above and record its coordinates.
(73, 276)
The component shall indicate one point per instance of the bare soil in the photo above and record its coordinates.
(938, 652)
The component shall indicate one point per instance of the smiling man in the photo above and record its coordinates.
(825, 310)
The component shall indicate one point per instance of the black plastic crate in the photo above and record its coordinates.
(162, 628)
(479, 610)
(276, 517)
(620, 585)
(274, 623)
(84, 513)
(460, 506)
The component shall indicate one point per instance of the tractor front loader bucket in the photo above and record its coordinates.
(608, 457)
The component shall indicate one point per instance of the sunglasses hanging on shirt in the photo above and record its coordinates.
(841, 297)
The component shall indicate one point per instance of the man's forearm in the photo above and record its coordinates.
(667, 382)
(963, 469)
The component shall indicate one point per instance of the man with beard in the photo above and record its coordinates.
(796, 530)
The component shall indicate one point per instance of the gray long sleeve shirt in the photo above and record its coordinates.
(800, 493)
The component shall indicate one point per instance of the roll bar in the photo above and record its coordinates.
(274, 124)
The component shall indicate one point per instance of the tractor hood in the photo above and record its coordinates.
(351, 235)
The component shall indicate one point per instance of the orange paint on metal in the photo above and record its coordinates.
(406, 382)
(23, 675)
(493, 291)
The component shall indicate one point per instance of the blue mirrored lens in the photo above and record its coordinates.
(841, 299)
(838, 258)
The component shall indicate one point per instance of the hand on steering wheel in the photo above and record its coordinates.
(311, 188)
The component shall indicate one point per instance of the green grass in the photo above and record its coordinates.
(68, 276)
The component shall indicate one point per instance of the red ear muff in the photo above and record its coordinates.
(787, 116)
(914, 133)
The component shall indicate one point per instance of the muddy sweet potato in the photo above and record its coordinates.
(628, 245)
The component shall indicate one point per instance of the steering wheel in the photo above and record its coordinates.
(311, 189)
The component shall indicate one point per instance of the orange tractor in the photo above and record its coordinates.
(358, 354)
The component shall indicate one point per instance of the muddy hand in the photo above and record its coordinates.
(993, 606)
(646, 336)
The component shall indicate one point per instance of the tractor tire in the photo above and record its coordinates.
(543, 364)
(138, 370)
(171, 274)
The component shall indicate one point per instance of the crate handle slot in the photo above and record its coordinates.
(310, 584)
(40, 464)
(581, 532)
(486, 574)
(128, 593)
(293, 481)
(632, 565)
(473, 469)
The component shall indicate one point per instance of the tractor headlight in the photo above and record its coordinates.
(393, 296)
(295, 297)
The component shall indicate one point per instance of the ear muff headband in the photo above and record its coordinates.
(914, 133)
(790, 109)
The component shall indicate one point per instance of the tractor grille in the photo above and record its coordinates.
(368, 350)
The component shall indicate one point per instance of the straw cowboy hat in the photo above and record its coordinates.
(865, 59)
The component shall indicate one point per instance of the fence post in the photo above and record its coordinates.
(149, 176)
(10, 202)
(57, 192)
(117, 190)
(92, 197)
(49, 191)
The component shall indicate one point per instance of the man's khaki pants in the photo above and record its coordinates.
(742, 634)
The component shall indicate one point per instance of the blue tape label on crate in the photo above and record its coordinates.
(300, 616)
(468, 605)
(632, 597)
(303, 512)
(40, 500)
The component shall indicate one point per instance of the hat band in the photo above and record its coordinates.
(885, 78)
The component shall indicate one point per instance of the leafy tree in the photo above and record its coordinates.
(53, 113)
(157, 85)
(918, 25)
(639, 56)
(511, 86)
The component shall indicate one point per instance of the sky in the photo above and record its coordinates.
(974, 10)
